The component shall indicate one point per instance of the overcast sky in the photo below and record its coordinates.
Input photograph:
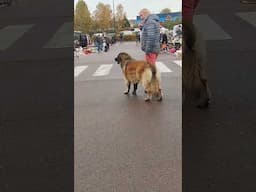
(132, 7)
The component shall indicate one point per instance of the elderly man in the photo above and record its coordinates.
(150, 35)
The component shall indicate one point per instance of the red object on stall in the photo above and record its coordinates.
(172, 50)
(87, 51)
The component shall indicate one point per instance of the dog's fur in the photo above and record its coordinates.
(138, 71)
(194, 79)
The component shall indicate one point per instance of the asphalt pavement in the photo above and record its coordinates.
(218, 143)
(123, 143)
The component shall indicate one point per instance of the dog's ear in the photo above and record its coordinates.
(126, 56)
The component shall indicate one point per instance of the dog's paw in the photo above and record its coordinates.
(126, 92)
(160, 95)
(147, 99)
(134, 93)
(160, 98)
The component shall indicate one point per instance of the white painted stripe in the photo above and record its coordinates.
(12, 33)
(210, 29)
(62, 38)
(79, 70)
(178, 62)
(249, 17)
(162, 67)
(103, 70)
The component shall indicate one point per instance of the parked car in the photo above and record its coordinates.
(83, 39)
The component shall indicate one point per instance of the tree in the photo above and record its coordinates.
(166, 10)
(170, 24)
(95, 24)
(125, 23)
(102, 17)
(119, 16)
(82, 18)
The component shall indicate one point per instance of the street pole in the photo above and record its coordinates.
(114, 17)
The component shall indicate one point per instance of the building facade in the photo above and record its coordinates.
(165, 17)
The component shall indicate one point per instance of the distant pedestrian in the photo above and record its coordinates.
(121, 37)
(99, 43)
(164, 42)
(138, 37)
(84, 41)
(76, 48)
(107, 43)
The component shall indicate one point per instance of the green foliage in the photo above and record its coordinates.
(119, 17)
(82, 18)
(128, 37)
(170, 24)
(126, 23)
(102, 17)
(166, 10)
(135, 25)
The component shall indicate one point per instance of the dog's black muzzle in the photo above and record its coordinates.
(117, 60)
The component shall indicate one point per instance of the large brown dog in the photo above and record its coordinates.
(138, 71)
(194, 78)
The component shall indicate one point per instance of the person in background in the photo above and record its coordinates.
(107, 41)
(121, 37)
(138, 37)
(84, 41)
(164, 42)
(99, 43)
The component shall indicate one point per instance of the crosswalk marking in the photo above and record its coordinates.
(162, 67)
(249, 17)
(79, 69)
(103, 70)
(62, 38)
(12, 33)
(178, 62)
(209, 29)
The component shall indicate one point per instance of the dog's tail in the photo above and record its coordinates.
(153, 69)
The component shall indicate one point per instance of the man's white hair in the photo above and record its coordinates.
(145, 11)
